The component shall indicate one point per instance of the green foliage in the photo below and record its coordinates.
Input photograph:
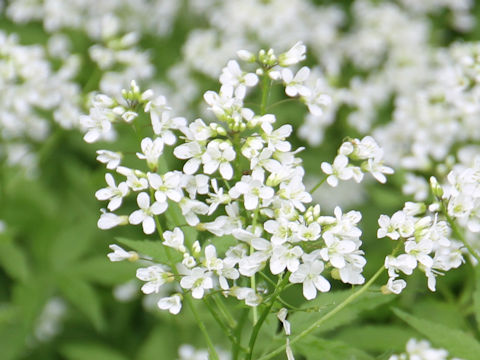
(456, 342)
(326, 302)
(314, 348)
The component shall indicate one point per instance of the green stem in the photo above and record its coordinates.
(223, 309)
(253, 337)
(187, 297)
(318, 185)
(238, 334)
(201, 325)
(225, 328)
(280, 102)
(327, 316)
(253, 283)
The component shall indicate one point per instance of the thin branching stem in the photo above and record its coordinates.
(327, 316)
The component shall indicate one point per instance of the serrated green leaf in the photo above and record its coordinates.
(13, 260)
(90, 351)
(83, 296)
(327, 301)
(314, 348)
(456, 342)
(366, 337)
(154, 249)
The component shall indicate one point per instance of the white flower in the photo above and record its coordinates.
(152, 150)
(217, 197)
(194, 184)
(294, 55)
(192, 151)
(234, 76)
(163, 124)
(248, 294)
(166, 186)
(252, 190)
(399, 225)
(276, 138)
(120, 254)
(294, 84)
(396, 286)
(338, 170)
(190, 209)
(98, 125)
(110, 220)
(112, 159)
(198, 280)
(172, 303)
(377, 169)
(336, 250)
(219, 155)
(174, 239)
(285, 257)
(112, 192)
(146, 212)
(309, 274)
(155, 276)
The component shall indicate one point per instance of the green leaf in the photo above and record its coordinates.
(154, 249)
(366, 337)
(103, 271)
(456, 342)
(327, 301)
(13, 260)
(30, 298)
(13, 340)
(71, 244)
(314, 348)
(160, 341)
(83, 296)
(222, 243)
(90, 351)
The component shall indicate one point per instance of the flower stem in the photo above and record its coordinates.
(228, 330)
(318, 185)
(253, 337)
(253, 283)
(187, 297)
(327, 316)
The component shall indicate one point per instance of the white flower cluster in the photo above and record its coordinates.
(426, 244)
(240, 179)
(422, 350)
(29, 83)
(461, 194)
(366, 152)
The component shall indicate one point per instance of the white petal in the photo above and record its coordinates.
(148, 225)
